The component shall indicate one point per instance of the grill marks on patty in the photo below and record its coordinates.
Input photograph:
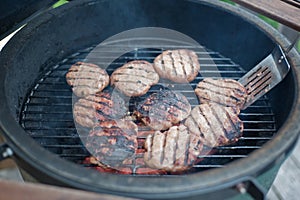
(113, 142)
(86, 78)
(180, 65)
(134, 78)
(227, 92)
(163, 109)
(102, 106)
(173, 150)
(215, 124)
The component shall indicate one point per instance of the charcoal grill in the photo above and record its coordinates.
(36, 111)
(47, 113)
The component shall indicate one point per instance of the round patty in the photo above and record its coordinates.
(86, 78)
(227, 92)
(113, 142)
(216, 125)
(180, 65)
(102, 106)
(134, 78)
(173, 150)
(163, 109)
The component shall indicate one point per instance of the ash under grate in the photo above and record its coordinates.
(47, 112)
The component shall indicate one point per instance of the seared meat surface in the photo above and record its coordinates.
(216, 125)
(173, 150)
(135, 166)
(180, 65)
(113, 142)
(134, 78)
(102, 106)
(163, 109)
(86, 79)
(227, 92)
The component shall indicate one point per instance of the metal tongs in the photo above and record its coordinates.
(267, 74)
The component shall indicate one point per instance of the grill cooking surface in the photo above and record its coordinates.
(47, 112)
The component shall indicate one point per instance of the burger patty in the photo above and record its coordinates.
(163, 109)
(134, 78)
(180, 65)
(173, 150)
(113, 142)
(135, 166)
(227, 92)
(216, 125)
(102, 106)
(86, 79)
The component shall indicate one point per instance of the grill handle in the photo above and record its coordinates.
(5, 151)
(251, 186)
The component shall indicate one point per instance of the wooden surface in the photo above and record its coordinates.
(284, 11)
(12, 190)
(286, 186)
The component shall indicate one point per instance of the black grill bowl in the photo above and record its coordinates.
(56, 34)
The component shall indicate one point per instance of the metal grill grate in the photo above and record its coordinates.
(47, 112)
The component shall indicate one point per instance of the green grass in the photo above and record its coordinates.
(59, 3)
(269, 21)
(228, 1)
